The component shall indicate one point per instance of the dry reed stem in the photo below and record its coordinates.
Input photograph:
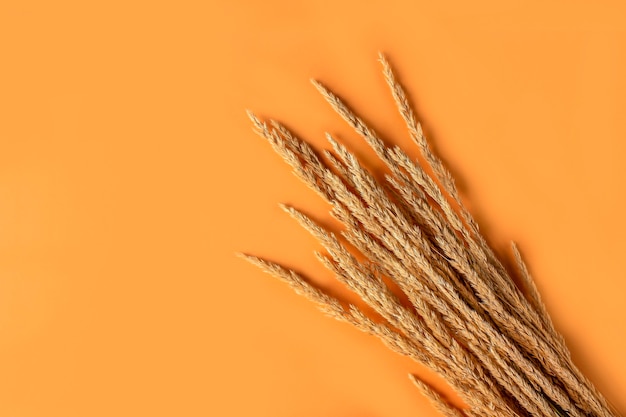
(437, 400)
(467, 320)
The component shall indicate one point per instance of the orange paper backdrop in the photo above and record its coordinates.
(129, 176)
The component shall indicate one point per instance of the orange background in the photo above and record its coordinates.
(129, 176)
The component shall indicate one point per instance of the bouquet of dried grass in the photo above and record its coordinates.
(465, 319)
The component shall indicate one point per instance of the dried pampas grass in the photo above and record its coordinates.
(466, 319)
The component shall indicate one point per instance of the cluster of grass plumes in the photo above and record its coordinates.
(465, 318)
